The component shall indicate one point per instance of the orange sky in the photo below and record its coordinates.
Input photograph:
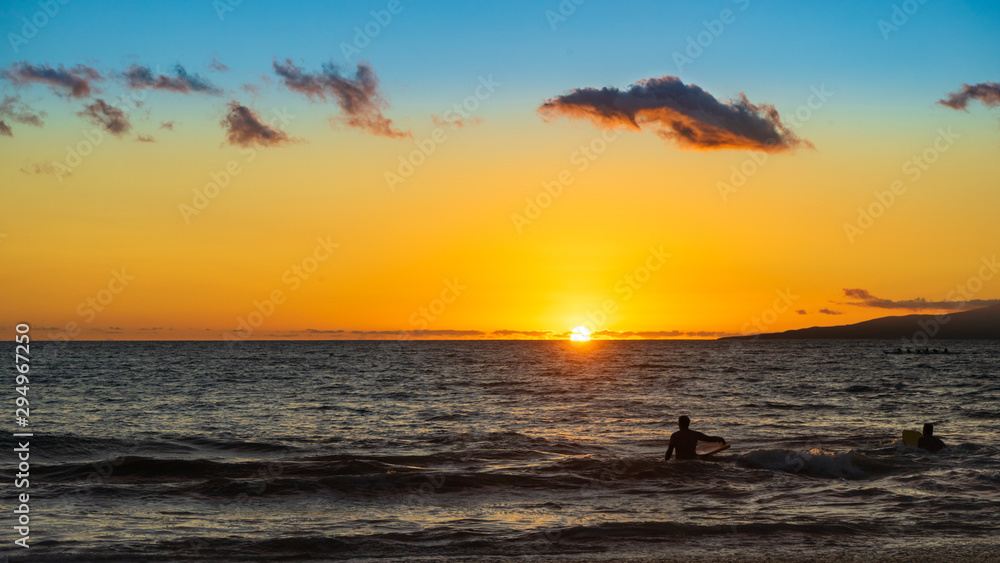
(644, 235)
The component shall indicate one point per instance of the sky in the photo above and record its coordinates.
(262, 170)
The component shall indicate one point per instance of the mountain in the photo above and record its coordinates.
(977, 324)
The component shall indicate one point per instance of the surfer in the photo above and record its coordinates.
(685, 440)
(929, 441)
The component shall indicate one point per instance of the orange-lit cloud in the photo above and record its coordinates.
(986, 92)
(685, 114)
(107, 117)
(358, 98)
(244, 128)
(73, 82)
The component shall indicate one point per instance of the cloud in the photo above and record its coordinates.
(685, 114)
(140, 77)
(217, 66)
(654, 334)
(12, 107)
(986, 92)
(107, 117)
(830, 312)
(455, 121)
(169, 125)
(801, 312)
(73, 82)
(360, 102)
(524, 333)
(863, 298)
(385, 334)
(145, 139)
(40, 168)
(244, 128)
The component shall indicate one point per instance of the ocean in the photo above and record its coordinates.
(264, 451)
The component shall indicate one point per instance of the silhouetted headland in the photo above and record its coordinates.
(977, 324)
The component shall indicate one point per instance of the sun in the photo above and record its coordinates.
(580, 334)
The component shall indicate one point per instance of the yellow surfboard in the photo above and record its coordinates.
(911, 437)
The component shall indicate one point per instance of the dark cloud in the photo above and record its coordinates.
(145, 139)
(169, 125)
(863, 298)
(107, 117)
(385, 334)
(360, 102)
(801, 312)
(524, 333)
(986, 92)
(830, 312)
(140, 77)
(12, 107)
(244, 128)
(654, 334)
(73, 82)
(685, 114)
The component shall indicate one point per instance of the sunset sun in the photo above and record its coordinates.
(580, 334)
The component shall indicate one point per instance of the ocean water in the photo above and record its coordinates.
(261, 451)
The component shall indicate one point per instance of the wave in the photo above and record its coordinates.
(817, 463)
(468, 541)
(72, 446)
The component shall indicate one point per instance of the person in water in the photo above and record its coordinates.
(929, 441)
(685, 440)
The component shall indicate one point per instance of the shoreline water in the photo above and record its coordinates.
(510, 451)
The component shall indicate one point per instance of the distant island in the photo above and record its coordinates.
(977, 324)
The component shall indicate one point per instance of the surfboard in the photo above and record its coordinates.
(911, 437)
(710, 448)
